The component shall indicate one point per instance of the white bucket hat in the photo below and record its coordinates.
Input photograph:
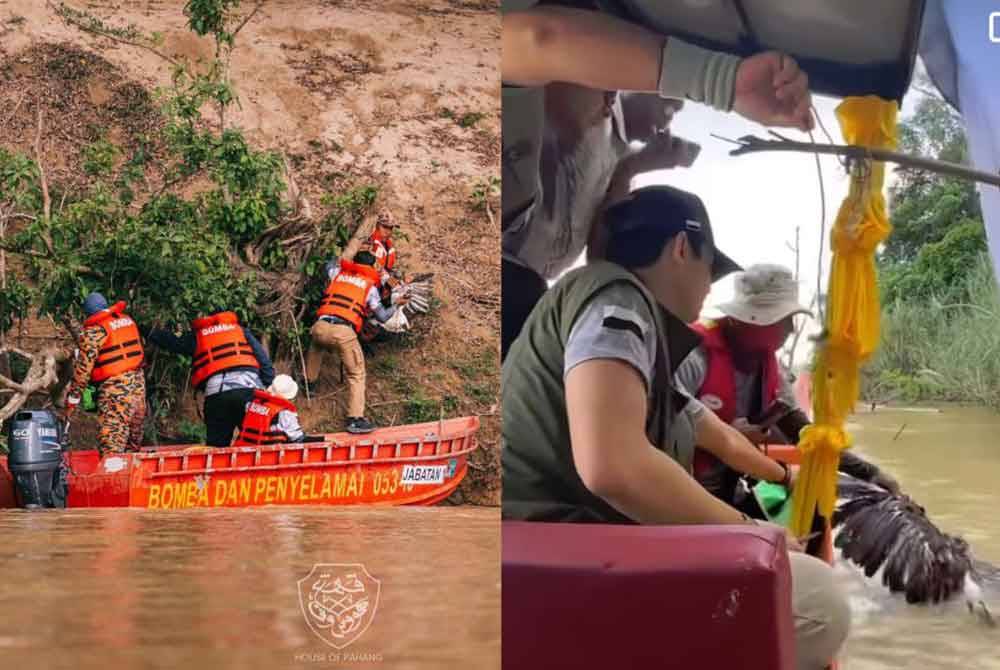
(284, 386)
(765, 295)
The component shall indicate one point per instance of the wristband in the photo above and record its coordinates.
(688, 71)
(786, 480)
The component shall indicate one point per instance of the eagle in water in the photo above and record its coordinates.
(879, 529)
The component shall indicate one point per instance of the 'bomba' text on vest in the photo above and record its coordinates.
(221, 328)
(351, 279)
(120, 323)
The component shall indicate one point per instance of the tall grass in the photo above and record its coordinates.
(941, 348)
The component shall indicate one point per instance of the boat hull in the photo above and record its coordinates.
(418, 464)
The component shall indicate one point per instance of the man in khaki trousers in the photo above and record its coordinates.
(351, 296)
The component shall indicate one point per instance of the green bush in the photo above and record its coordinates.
(934, 348)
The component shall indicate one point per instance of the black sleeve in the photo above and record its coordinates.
(266, 369)
(792, 425)
(857, 467)
(164, 339)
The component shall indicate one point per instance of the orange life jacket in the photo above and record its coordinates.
(122, 347)
(384, 251)
(718, 391)
(261, 414)
(219, 345)
(346, 294)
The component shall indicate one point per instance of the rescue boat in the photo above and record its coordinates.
(416, 464)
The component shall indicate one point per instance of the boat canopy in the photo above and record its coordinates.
(847, 47)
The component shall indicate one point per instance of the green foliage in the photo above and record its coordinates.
(481, 364)
(19, 182)
(466, 120)
(470, 119)
(195, 432)
(210, 16)
(168, 262)
(481, 393)
(939, 267)
(133, 171)
(345, 209)
(937, 349)
(941, 312)
(251, 185)
(420, 409)
(172, 260)
(386, 365)
(99, 158)
(483, 191)
(15, 299)
(926, 206)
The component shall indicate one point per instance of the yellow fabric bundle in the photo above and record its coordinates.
(852, 317)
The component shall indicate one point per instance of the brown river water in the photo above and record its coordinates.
(949, 462)
(220, 588)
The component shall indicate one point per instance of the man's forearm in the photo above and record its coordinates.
(577, 46)
(170, 342)
(383, 314)
(732, 448)
(606, 409)
(656, 490)
(81, 375)
(87, 352)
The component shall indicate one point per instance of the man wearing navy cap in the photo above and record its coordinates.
(596, 359)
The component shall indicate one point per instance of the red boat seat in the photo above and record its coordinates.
(599, 597)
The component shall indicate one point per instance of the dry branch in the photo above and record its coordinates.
(41, 376)
(102, 33)
(17, 106)
(247, 18)
(46, 199)
(752, 144)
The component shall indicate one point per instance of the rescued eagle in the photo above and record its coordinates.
(881, 529)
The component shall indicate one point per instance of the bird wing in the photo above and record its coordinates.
(892, 532)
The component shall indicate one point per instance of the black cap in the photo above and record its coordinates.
(652, 214)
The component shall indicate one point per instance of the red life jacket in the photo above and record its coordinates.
(718, 391)
(346, 294)
(121, 351)
(219, 345)
(260, 416)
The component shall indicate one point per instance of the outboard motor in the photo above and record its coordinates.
(34, 439)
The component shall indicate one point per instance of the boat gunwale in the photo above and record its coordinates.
(314, 464)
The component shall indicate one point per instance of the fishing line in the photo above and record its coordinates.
(822, 220)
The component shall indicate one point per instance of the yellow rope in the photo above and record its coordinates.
(852, 314)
